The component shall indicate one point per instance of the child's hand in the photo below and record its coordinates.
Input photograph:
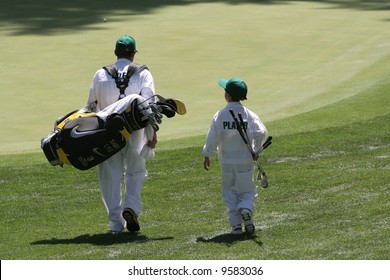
(206, 163)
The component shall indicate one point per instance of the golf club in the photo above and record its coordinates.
(261, 175)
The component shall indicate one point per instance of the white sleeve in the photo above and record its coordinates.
(92, 99)
(211, 140)
(147, 86)
(260, 133)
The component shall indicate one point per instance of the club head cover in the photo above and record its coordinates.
(135, 118)
(114, 123)
(179, 106)
(167, 109)
(173, 104)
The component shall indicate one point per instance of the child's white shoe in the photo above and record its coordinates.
(246, 216)
(236, 230)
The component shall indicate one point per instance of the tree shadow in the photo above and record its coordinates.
(230, 239)
(45, 17)
(102, 239)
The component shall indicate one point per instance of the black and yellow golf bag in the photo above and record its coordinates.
(84, 139)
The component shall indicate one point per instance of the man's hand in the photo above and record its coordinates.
(152, 143)
(206, 163)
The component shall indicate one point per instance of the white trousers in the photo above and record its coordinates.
(238, 190)
(127, 162)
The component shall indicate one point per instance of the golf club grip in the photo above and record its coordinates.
(244, 127)
(246, 141)
(242, 123)
(266, 144)
(238, 126)
(268, 140)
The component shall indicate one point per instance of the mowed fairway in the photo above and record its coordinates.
(318, 76)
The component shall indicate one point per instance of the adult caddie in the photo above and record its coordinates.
(110, 84)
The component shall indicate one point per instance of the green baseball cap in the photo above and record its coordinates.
(126, 43)
(236, 88)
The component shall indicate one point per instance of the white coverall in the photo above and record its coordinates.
(238, 188)
(103, 90)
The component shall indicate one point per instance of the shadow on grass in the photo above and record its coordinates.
(51, 16)
(102, 239)
(230, 239)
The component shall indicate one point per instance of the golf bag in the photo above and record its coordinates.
(84, 139)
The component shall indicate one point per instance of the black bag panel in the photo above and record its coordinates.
(49, 145)
(78, 134)
(87, 142)
(102, 148)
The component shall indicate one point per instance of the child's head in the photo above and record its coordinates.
(235, 87)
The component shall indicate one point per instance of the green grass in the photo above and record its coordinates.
(295, 56)
(328, 199)
(317, 76)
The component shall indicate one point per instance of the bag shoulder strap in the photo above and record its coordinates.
(135, 67)
(112, 71)
(123, 82)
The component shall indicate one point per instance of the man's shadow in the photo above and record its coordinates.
(102, 239)
(230, 239)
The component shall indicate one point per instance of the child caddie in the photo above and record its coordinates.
(238, 188)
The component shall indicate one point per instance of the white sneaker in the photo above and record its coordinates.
(236, 230)
(246, 216)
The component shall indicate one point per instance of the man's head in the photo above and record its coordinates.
(125, 47)
(235, 87)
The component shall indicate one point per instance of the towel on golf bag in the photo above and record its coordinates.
(84, 139)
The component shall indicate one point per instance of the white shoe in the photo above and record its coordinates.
(246, 216)
(236, 230)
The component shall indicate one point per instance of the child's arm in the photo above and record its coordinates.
(206, 163)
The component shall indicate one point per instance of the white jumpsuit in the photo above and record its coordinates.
(103, 90)
(238, 188)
